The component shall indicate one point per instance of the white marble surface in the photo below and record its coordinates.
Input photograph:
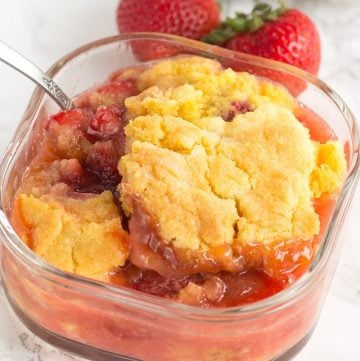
(45, 30)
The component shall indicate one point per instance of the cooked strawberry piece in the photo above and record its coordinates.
(212, 291)
(102, 160)
(67, 142)
(71, 172)
(193, 295)
(228, 289)
(241, 107)
(108, 94)
(130, 73)
(247, 287)
(152, 283)
(118, 88)
(76, 118)
(106, 123)
(65, 133)
(90, 183)
(238, 107)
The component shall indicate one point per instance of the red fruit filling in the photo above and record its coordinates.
(108, 94)
(90, 142)
(225, 289)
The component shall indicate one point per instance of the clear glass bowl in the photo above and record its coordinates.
(105, 322)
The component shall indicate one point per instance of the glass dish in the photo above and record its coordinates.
(104, 322)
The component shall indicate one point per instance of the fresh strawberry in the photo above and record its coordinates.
(189, 18)
(285, 35)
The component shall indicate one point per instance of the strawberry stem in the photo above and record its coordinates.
(243, 23)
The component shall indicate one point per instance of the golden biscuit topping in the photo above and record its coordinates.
(210, 182)
(82, 236)
(193, 88)
(330, 170)
(249, 184)
(175, 190)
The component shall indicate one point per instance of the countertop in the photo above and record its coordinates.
(46, 30)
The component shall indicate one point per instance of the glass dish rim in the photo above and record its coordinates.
(159, 305)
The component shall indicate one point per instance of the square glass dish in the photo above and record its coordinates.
(105, 322)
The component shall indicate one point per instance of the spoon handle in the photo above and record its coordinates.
(12, 58)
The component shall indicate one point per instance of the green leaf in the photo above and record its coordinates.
(218, 36)
(282, 7)
(272, 16)
(241, 23)
(237, 24)
(255, 23)
(262, 8)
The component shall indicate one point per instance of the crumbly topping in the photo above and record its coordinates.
(193, 88)
(81, 235)
(210, 182)
(175, 189)
(330, 170)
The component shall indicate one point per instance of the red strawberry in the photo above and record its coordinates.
(285, 35)
(189, 18)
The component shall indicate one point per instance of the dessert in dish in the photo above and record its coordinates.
(184, 180)
(78, 172)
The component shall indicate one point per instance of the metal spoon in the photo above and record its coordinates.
(12, 58)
